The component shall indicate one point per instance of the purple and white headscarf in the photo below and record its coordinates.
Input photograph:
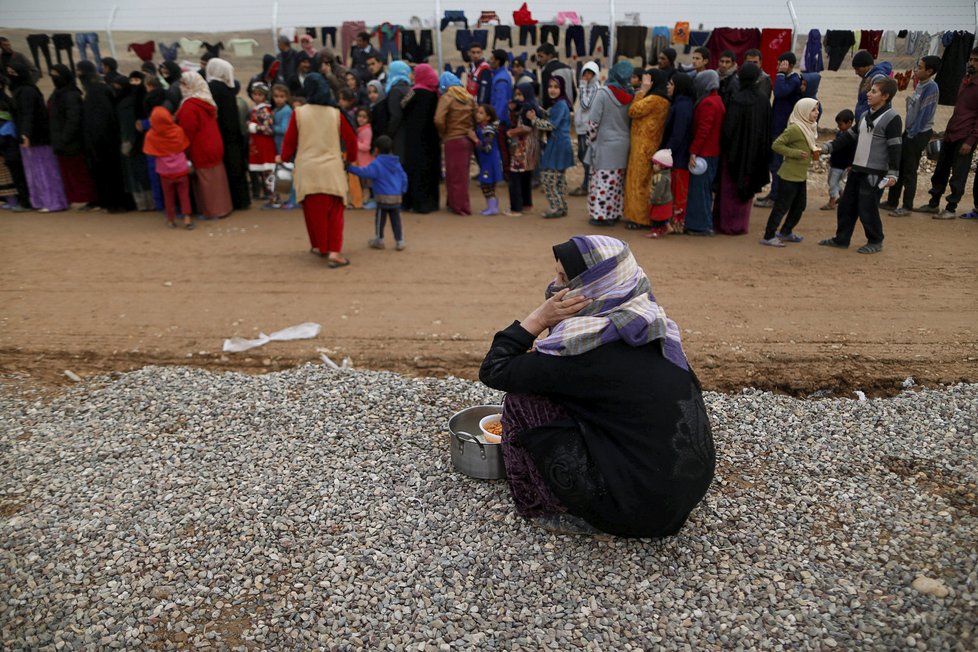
(622, 306)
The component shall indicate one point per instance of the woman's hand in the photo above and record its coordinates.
(553, 311)
(531, 115)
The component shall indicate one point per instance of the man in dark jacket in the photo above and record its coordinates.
(359, 53)
(550, 65)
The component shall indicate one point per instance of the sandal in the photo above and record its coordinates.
(632, 226)
(190, 227)
(970, 215)
(828, 207)
(333, 264)
(871, 248)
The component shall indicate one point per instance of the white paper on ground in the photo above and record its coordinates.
(304, 331)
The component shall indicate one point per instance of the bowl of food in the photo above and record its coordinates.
(492, 428)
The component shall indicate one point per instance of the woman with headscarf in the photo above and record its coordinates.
(745, 156)
(587, 90)
(170, 73)
(557, 155)
(667, 62)
(100, 132)
(648, 112)
(379, 113)
(67, 140)
(330, 65)
(523, 147)
(130, 109)
(604, 424)
(397, 87)
(422, 152)
(220, 80)
(607, 154)
(197, 116)
(268, 75)
(31, 118)
(320, 138)
(454, 121)
(677, 137)
(707, 127)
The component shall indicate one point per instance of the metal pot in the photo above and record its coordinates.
(933, 150)
(280, 181)
(470, 455)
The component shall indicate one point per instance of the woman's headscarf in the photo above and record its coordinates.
(220, 70)
(381, 92)
(306, 43)
(705, 82)
(87, 74)
(318, 91)
(563, 91)
(620, 75)
(683, 86)
(171, 72)
(622, 307)
(671, 55)
(192, 85)
(660, 79)
(800, 116)
(23, 70)
(398, 71)
(748, 74)
(425, 78)
(446, 80)
(165, 137)
(65, 78)
(529, 99)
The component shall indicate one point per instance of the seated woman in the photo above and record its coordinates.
(604, 425)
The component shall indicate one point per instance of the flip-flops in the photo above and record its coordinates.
(333, 264)
(970, 215)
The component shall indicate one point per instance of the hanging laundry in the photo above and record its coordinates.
(913, 40)
(888, 42)
(190, 46)
(869, 40)
(630, 42)
(838, 42)
(775, 41)
(737, 40)
(522, 16)
(696, 39)
(812, 61)
(144, 51)
(243, 47)
(680, 33)
(568, 17)
(934, 49)
(954, 64)
(660, 41)
(487, 17)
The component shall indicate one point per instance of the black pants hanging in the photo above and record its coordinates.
(860, 201)
(328, 31)
(630, 42)
(575, 35)
(910, 153)
(954, 166)
(551, 31)
(502, 33)
(528, 31)
(599, 32)
(40, 42)
(411, 48)
(67, 43)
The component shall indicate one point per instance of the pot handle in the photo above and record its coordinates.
(472, 439)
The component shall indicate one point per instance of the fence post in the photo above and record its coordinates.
(108, 30)
(274, 24)
(611, 35)
(794, 24)
(437, 32)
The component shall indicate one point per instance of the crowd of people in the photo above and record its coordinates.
(669, 150)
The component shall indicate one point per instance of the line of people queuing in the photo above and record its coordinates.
(670, 149)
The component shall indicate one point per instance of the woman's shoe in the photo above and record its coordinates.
(333, 264)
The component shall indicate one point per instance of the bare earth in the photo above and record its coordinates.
(97, 293)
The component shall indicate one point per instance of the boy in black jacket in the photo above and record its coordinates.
(876, 165)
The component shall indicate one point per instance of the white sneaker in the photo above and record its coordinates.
(773, 242)
(400, 245)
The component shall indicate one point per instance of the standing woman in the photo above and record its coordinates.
(397, 87)
(170, 73)
(130, 109)
(31, 117)
(745, 158)
(65, 111)
(422, 150)
(707, 127)
(100, 130)
(454, 120)
(677, 137)
(197, 116)
(318, 135)
(607, 153)
(220, 80)
(649, 112)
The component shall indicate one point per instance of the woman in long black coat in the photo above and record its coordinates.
(220, 79)
(100, 131)
(65, 110)
(422, 151)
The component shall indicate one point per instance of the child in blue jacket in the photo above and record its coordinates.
(390, 182)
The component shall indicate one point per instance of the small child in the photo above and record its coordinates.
(167, 141)
(390, 182)
(524, 149)
(798, 144)
(364, 139)
(842, 154)
(660, 194)
(485, 138)
(261, 141)
(282, 101)
(558, 155)
(348, 106)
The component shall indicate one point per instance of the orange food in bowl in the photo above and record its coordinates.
(495, 428)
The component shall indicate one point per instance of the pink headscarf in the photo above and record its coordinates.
(425, 78)
(308, 46)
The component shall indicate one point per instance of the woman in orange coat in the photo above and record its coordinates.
(648, 111)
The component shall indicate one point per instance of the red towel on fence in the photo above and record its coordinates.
(775, 41)
(522, 16)
(146, 50)
(870, 41)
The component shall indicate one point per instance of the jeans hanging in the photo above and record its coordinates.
(88, 40)
(454, 17)
(388, 48)
(599, 32)
(575, 35)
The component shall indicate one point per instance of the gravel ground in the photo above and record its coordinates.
(176, 508)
